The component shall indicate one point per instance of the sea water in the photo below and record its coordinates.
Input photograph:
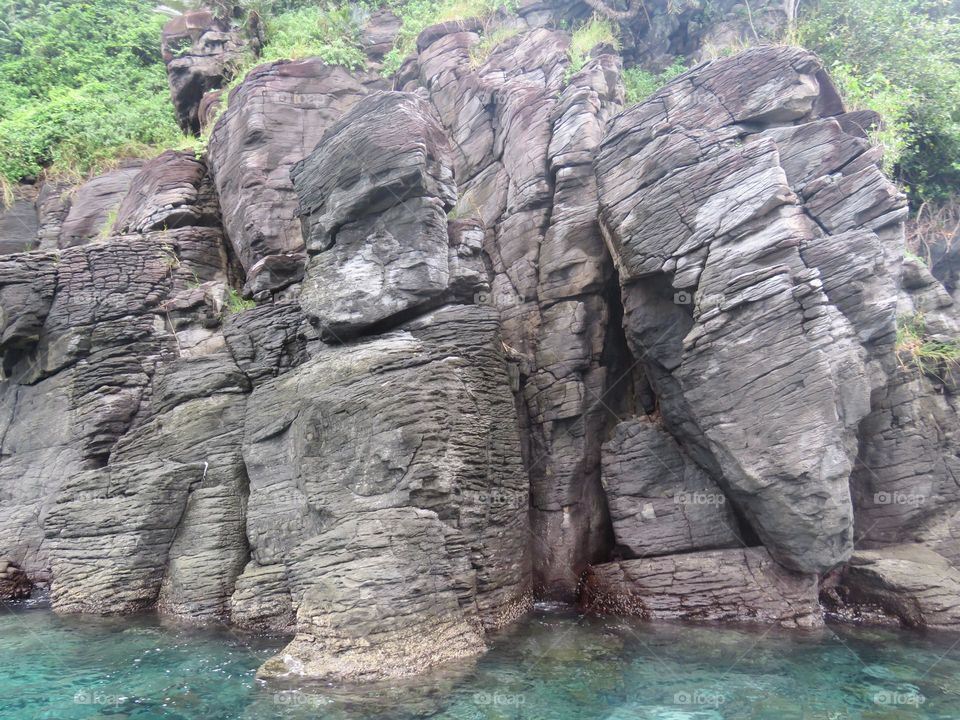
(554, 665)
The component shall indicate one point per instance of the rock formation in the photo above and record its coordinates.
(387, 364)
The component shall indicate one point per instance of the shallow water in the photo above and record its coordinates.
(555, 666)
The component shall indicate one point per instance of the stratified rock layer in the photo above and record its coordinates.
(743, 585)
(274, 119)
(710, 193)
(396, 474)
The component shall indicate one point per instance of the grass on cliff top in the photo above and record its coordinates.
(596, 31)
(930, 357)
(417, 15)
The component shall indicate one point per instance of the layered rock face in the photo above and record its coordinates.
(508, 340)
(201, 51)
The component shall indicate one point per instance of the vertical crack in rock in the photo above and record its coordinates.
(524, 146)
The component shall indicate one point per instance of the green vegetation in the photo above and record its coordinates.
(331, 33)
(236, 304)
(490, 40)
(417, 15)
(81, 83)
(900, 58)
(931, 357)
(640, 84)
(596, 31)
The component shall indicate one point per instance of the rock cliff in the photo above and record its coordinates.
(395, 359)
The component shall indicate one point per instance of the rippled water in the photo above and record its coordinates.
(554, 666)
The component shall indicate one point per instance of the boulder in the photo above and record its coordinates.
(706, 194)
(19, 225)
(908, 585)
(661, 502)
(14, 583)
(400, 469)
(92, 207)
(741, 585)
(202, 51)
(273, 120)
(374, 197)
(171, 191)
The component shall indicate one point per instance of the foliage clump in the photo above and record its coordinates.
(933, 357)
(236, 304)
(330, 32)
(81, 83)
(639, 84)
(596, 31)
(900, 58)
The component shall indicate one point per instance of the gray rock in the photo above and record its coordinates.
(906, 584)
(93, 206)
(170, 191)
(743, 585)
(407, 433)
(760, 375)
(661, 502)
(274, 119)
(14, 583)
(202, 52)
(19, 225)
(374, 196)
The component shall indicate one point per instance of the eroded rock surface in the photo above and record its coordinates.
(202, 51)
(906, 584)
(401, 436)
(501, 333)
(274, 119)
(709, 192)
(743, 585)
(14, 583)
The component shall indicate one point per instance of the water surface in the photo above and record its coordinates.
(555, 666)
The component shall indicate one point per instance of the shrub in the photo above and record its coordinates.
(236, 304)
(331, 33)
(639, 84)
(81, 84)
(902, 59)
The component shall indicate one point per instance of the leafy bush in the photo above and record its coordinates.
(81, 83)
(236, 304)
(639, 84)
(596, 31)
(902, 59)
(331, 33)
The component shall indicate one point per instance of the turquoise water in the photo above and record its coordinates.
(554, 666)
